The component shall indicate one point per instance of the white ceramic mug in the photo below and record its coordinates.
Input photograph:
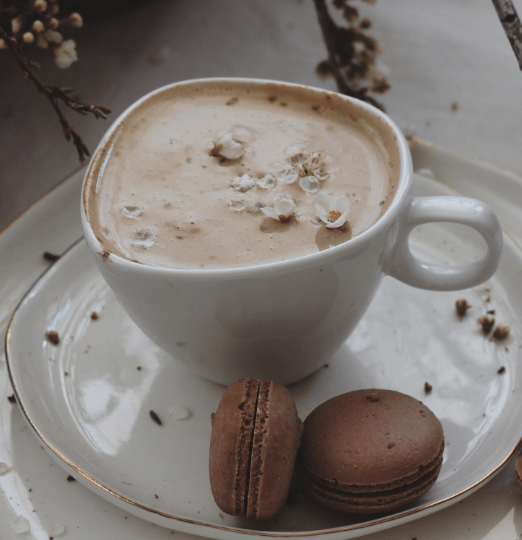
(281, 321)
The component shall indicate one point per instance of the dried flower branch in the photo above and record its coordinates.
(351, 53)
(38, 24)
(512, 26)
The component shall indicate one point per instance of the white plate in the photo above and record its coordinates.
(89, 403)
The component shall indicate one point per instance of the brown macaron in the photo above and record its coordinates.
(255, 438)
(370, 451)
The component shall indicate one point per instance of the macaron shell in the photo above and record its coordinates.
(278, 432)
(373, 439)
(230, 445)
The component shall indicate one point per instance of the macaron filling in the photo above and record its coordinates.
(249, 409)
(373, 498)
(260, 429)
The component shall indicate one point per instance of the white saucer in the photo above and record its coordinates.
(89, 397)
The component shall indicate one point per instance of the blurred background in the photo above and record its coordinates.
(454, 79)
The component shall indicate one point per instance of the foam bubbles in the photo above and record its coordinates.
(243, 183)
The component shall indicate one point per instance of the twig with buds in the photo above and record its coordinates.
(351, 53)
(512, 26)
(39, 24)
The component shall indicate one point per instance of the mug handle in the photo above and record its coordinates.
(401, 264)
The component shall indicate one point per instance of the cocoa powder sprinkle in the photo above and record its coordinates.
(156, 418)
(487, 323)
(500, 333)
(53, 337)
(461, 306)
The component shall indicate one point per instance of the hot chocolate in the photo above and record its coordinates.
(222, 175)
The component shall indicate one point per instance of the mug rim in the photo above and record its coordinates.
(332, 254)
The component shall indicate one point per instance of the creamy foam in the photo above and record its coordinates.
(191, 176)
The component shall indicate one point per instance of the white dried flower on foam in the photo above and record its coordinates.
(309, 168)
(228, 146)
(131, 212)
(65, 54)
(267, 182)
(332, 211)
(283, 210)
(237, 205)
(318, 165)
(310, 184)
(243, 183)
(288, 175)
(144, 239)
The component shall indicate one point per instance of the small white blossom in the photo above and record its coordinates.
(333, 212)
(131, 211)
(310, 184)
(74, 20)
(38, 26)
(40, 6)
(228, 146)
(237, 205)
(299, 160)
(287, 175)
(53, 37)
(53, 23)
(65, 54)
(283, 209)
(294, 149)
(16, 24)
(310, 168)
(3, 44)
(144, 239)
(267, 182)
(243, 183)
(28, 37)
(318, 164)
